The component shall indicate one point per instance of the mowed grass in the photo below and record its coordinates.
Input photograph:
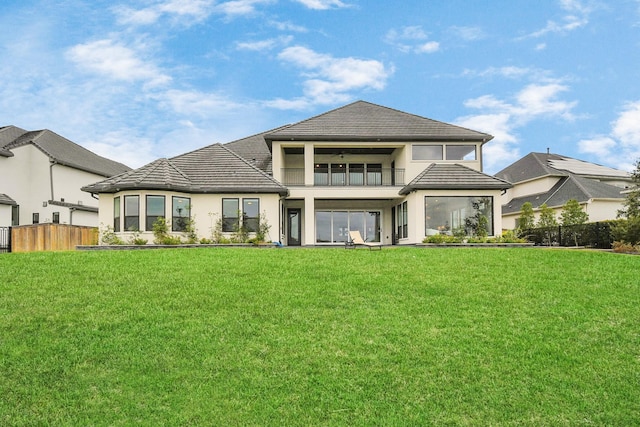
(402, 336)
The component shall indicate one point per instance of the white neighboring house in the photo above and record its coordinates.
(554, 179)
(41, 174)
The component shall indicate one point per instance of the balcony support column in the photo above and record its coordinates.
(308, 164)
(309, 237)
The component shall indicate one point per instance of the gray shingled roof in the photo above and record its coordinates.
(363, 121)
(65, 152)
(8, 134)
(567, 188)
(441, 176)
(212, 169)
(254, 148)
(6, 200)
(536, 165)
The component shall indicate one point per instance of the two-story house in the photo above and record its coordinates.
(552, 179)
(41, 174)
(394, 176)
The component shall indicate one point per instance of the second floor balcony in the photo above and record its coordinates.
(345, 175)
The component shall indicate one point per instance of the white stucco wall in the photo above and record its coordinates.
(598, 210)
(206, 209)
(27, 178)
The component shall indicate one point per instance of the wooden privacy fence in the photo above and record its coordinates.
(51, 237)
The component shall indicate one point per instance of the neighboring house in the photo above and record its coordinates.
(553, 179)
(41, 174)
(395, 177)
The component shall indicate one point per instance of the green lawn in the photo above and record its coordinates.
(403, 336)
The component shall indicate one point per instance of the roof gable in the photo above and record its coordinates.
(66, 152)
(370, 122)
(440, 176)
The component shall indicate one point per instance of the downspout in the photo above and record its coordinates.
(52, 163)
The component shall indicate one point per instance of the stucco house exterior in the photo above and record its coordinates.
(553, 179)
(41, 174)
(394, 176)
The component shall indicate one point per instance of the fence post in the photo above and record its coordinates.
(560, 235)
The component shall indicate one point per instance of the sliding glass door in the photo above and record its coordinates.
(334, 226)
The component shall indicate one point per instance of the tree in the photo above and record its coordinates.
(573, 216)
(631, 202)
(628, 228)
(547, 221)
(526, 220)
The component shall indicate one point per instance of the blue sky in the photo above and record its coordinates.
(138, 80)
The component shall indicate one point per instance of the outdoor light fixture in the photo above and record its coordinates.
(44, 204)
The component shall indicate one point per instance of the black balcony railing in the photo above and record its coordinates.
(344, 178)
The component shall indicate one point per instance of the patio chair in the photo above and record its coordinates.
(357, 240)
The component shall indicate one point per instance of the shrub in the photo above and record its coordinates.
(624, 247)
(627, 230)
(161, 233)
(109, 237)
(441, 238)
(136, 239)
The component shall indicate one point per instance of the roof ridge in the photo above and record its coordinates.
(562, 184)
(580, 185)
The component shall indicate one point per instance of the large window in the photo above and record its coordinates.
(465, 152)
(251, 214)
(181, 213)
(342, 174)
(461, 152)
(131, 213)
(402, 219)
(427, 152)
(116, 214)
(155, 210)
(446, 215)
(230, 215)
(334, 226)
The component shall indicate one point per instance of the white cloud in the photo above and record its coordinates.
(622, 146)
(288, 26)
(428, 47)
(626, 128)
(190, 10)
(195, 103)
(185, 12)
(600, 146)
(577, 16)
(411, 39)
(468, 33)
(111, 59)
(322, 4)
(502, 118)
(262, 45)
(240, 7)
(329, 79)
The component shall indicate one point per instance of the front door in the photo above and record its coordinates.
(293, 227)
